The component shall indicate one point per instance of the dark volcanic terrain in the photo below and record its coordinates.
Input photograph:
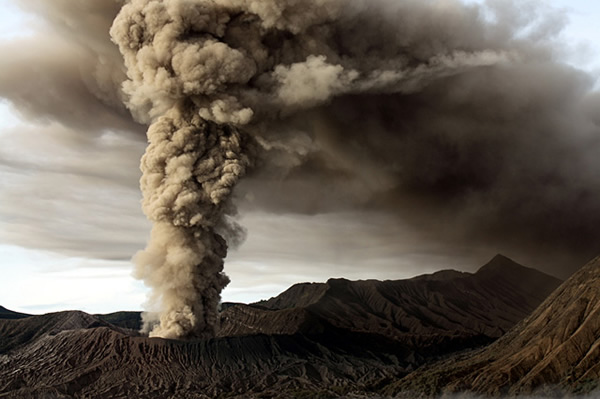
(556, 348)
(314, 339)
(444, 305)
(9, 314)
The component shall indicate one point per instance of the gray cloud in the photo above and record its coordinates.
(67, 70)
(355, 245)
(480, 136)
(70, 172)
(70, 192)
(511, 164)
(433, 127)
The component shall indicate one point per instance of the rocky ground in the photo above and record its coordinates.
(554, 350)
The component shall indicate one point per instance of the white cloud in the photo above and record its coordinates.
(35, 281)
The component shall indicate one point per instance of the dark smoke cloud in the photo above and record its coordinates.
(466, 125)
(460, 124)
(71, 72)
(502, 152)
(499, 156)
(69, 172)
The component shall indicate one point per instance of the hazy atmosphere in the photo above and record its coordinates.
(481, 136)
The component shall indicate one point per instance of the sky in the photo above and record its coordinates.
(70, 215)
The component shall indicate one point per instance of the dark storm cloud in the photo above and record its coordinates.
(499, 146)
(70, 170)
(502, 155)
(462, 125)
(458, 121)
(67, 70)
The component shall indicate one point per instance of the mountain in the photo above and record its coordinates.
(556, 348)
(9, 314)
(129, 320)
(313, 340)
(426, 308)
(101, 362)
(15, 333)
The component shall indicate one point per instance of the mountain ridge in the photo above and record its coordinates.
(10, 314)
(330, 339)
(447, 300)
(558, 345)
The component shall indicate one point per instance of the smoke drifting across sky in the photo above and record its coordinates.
(461, 124)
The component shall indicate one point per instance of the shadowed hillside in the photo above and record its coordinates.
(444, 304)
(129, 320)
(557, 346)
(9, 314)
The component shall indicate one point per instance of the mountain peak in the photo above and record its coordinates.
(502, 266)
(500, 263)
(321, 338)
(10, 314)
(555, 346)
(503, 271)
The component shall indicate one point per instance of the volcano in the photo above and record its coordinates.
(330, 339)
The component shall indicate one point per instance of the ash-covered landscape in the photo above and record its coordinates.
(505, 330)
(323, 186)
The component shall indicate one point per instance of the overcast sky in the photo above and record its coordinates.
(70, 216)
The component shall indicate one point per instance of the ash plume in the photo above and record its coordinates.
(73, 74)
(426, 109)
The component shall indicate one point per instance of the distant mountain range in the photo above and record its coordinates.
(554, 350)
(9, 314)
(445, 306)
(328, 340)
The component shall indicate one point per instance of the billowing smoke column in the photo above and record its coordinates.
(420, 107)
(209, 75)
(458, 122)
(188, 170)
(191, 163)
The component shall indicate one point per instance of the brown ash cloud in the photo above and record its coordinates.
(464, 125)
(460, 121)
